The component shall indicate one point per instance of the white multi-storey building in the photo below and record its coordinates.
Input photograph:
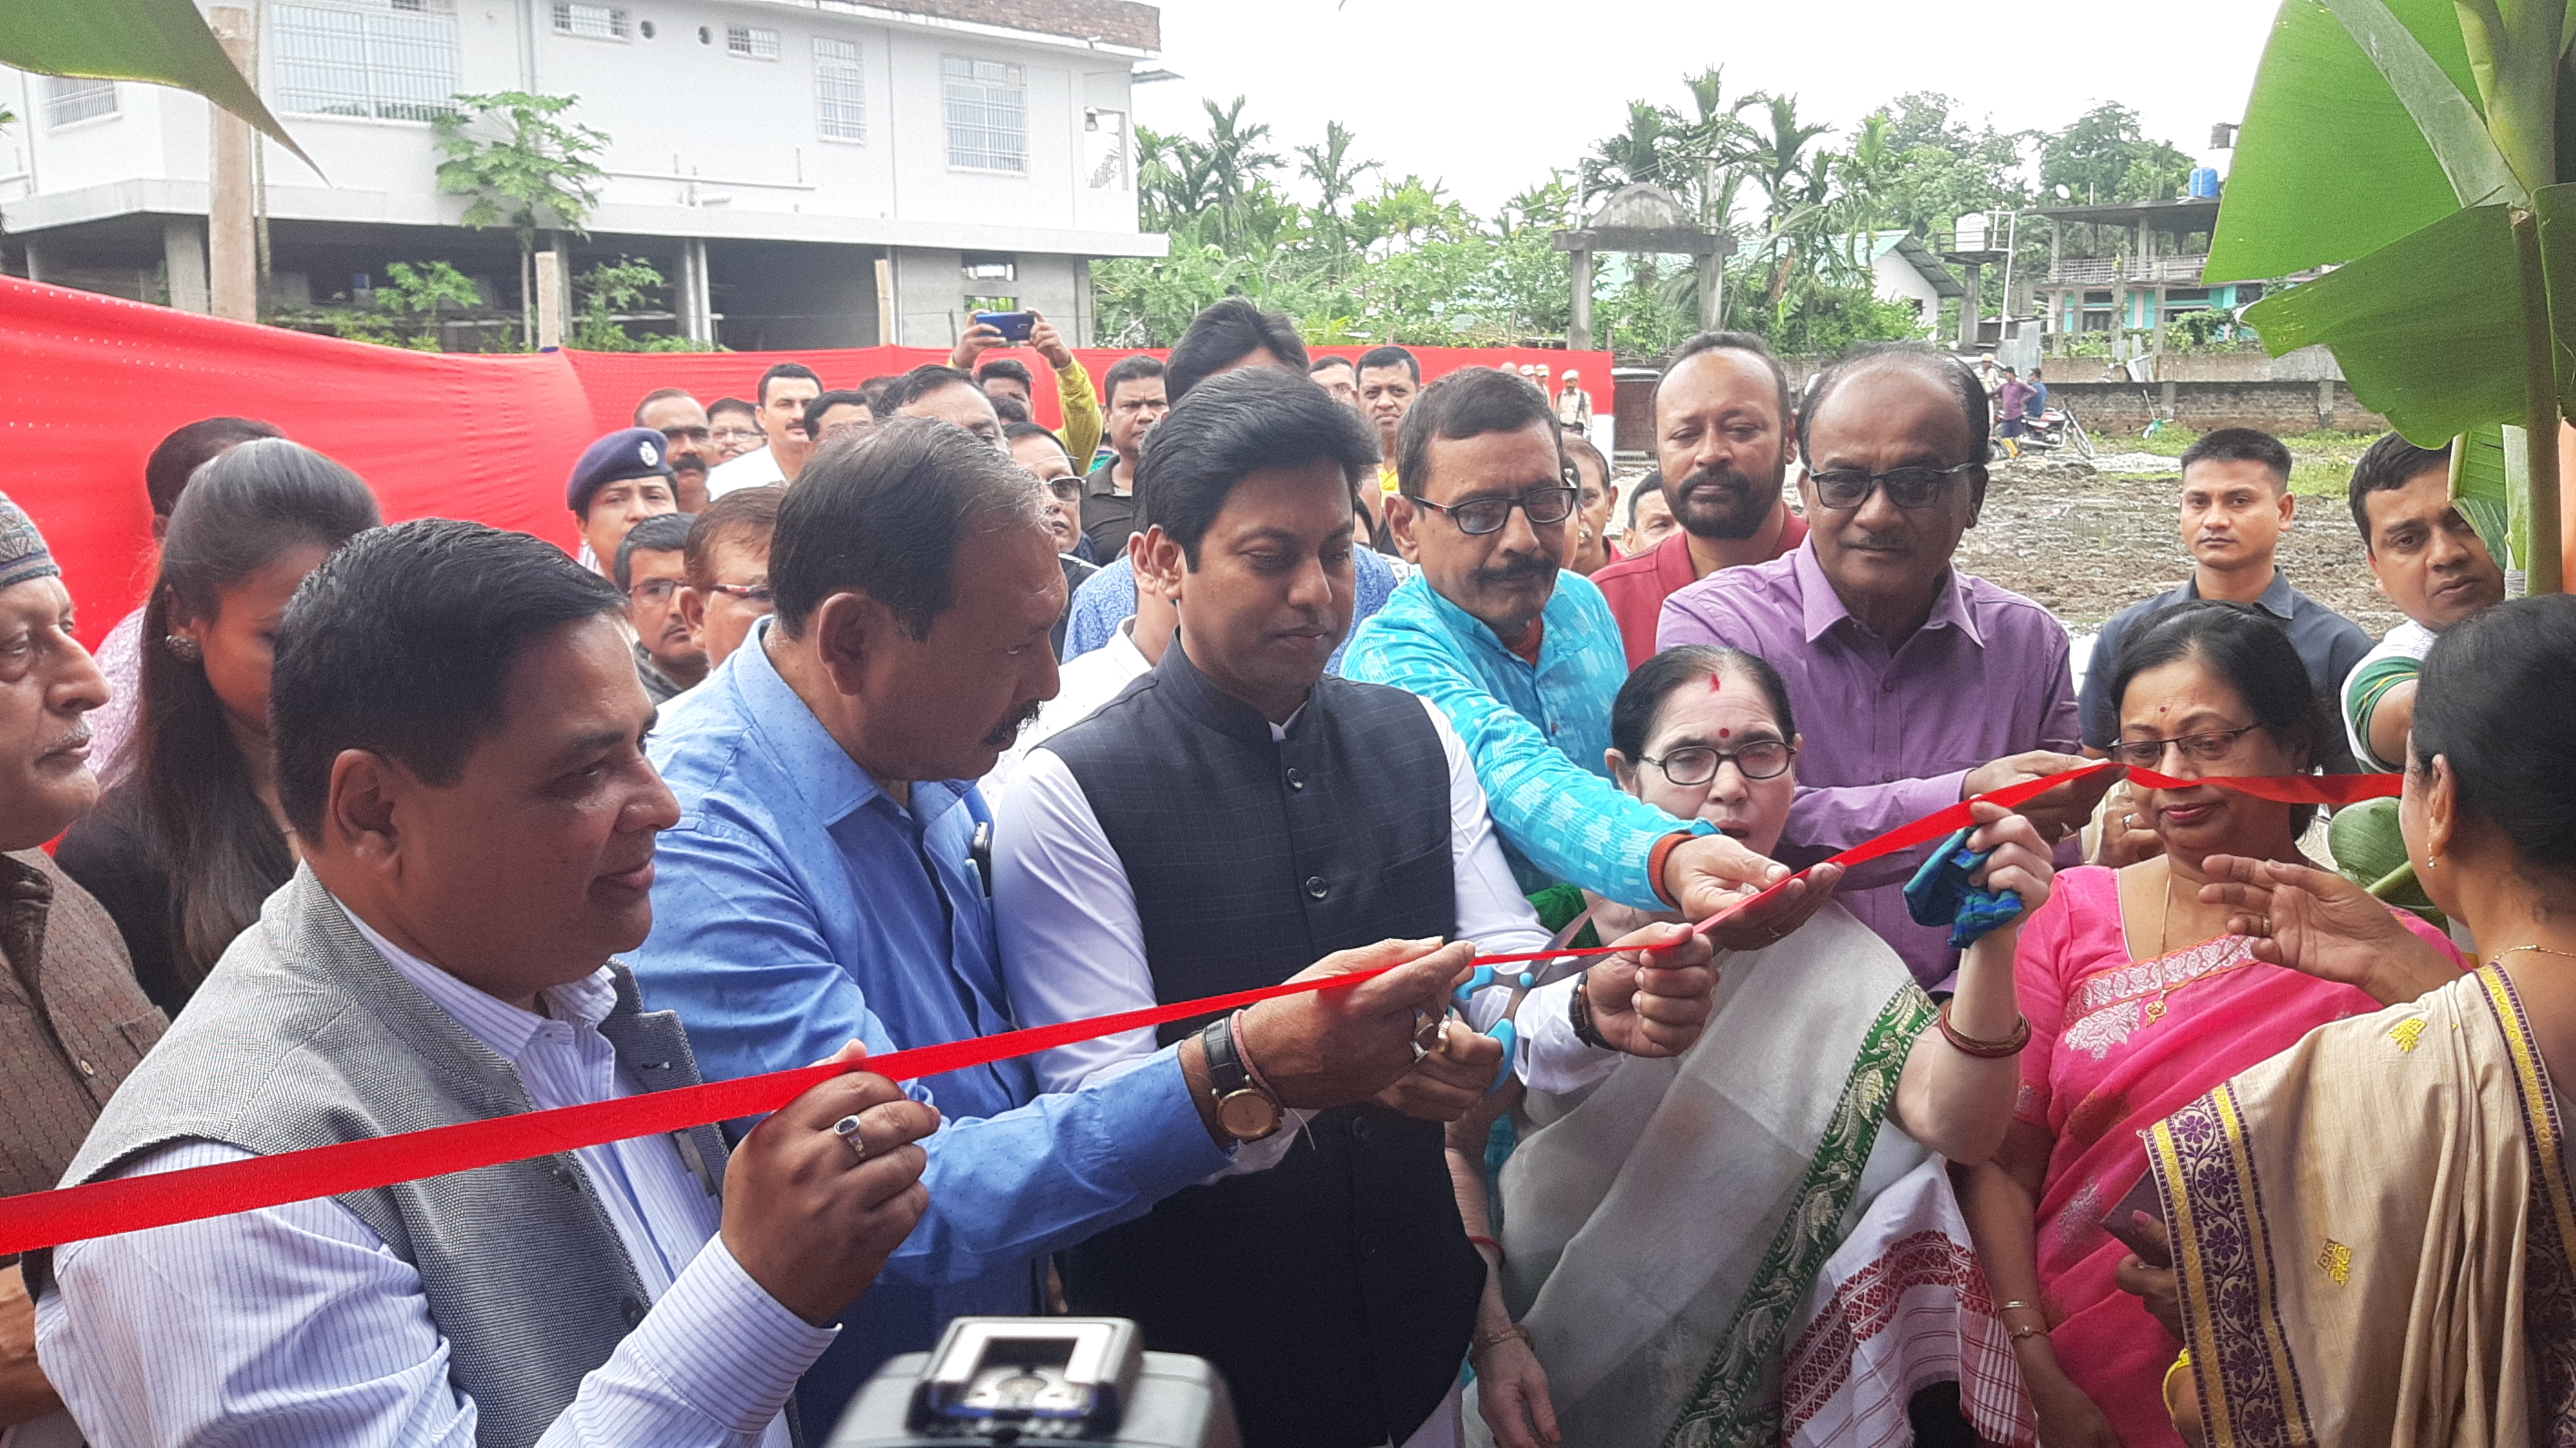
(765, 154)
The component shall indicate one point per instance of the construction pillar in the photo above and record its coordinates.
(550, 307)
(183, 254)
(1578, 329)
(885, 301)
(696, 307)
(232, 245)
(1972, 304)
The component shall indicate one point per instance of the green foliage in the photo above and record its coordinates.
(2104, 157)
(625, 285)
(1376, 256)
(405, 312)
(536, 174)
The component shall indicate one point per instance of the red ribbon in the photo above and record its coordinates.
(131, 1204)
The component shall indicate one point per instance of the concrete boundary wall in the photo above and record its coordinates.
(2113, 408)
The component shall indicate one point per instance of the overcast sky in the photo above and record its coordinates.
(1488, 96)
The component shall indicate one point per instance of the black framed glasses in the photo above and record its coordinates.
(1844, 489)
(1698, 764)
(755, 594)
(1544, 507)
(2208, 747)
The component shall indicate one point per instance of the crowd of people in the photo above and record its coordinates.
(880, 716)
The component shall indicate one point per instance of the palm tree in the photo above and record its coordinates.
(1233, 162)
(1638, 155)
(1778, 158)
(1332, 170)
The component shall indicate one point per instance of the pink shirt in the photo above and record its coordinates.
(1890, 733)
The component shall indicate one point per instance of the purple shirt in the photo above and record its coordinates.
(1890, 733)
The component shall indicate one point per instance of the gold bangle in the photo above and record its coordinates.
(1503, 1335)
(2181, 1364)
(2021, 1307)
(2019, 1333)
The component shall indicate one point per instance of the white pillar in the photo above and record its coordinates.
(183, 251)
(550, 307)
(695, 302)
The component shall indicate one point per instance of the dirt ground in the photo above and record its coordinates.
(2088, 545)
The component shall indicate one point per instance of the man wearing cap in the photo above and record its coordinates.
(1573, 404)
(621, 480)
(72, 1021)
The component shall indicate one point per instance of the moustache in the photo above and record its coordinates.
(1009, 729)
(1516, 571)
(1715, 476)
(77, 736)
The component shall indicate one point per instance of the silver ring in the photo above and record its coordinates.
(847, 1128)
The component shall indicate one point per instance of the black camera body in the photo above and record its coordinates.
(1041, 1380)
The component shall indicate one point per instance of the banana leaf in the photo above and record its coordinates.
(165, 42)
(2369, 851)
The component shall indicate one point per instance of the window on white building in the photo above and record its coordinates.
(1104, 149)
(393, 61)
(597, 22)
(840, 91)
(988, 114)
(751, 42)
(72, 98)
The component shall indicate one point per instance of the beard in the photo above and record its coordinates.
(1008, 731)
(1719, 502)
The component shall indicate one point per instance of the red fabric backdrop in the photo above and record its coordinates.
(88, 384)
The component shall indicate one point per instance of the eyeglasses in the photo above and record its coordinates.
(733, 434)
(755, 594)
(1698, 765)
(1545, 507)
(1844, 489)
(1065, 490)
(654, 590)
(2210, 747)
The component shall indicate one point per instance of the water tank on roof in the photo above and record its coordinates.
(2204, 183)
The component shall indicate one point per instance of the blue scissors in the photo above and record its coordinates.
(1526, 977)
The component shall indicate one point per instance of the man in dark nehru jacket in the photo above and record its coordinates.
(1229, 815)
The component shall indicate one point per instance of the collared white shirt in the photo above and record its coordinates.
(1073, 944)
(751, 470)
(298, 1324)
(1084, 683)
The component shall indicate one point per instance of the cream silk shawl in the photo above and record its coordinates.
(1661, 1232)
(2372, 1232)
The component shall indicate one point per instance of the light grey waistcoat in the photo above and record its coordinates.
(302, 1036)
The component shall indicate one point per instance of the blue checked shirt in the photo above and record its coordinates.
(1537, 734)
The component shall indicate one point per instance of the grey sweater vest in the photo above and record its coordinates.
(302, 1036)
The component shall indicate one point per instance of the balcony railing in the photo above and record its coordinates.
(2103, 271)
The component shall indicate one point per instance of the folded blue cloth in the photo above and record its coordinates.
(1939, 894)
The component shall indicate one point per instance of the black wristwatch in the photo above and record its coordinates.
(1243, 1110)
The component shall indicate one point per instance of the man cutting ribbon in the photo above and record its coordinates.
(1227, 818)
